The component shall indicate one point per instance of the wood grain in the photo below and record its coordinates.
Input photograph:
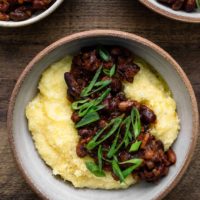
(18, 46)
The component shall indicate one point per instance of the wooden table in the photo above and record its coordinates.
(18, 46)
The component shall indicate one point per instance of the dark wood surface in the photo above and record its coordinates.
(18, 46)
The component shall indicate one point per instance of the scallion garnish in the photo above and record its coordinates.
(110, 72)
(127, 122)
(137, 162)
(117, 171)
(101, 85)
(88, 119)
(100, 157)
(93, 143)
(90, 106)
(111, 152)
(104, 55)
(76, 106)
(87, 89)
(135, 118)
(135, 146)
(198, 3)
(93, 168)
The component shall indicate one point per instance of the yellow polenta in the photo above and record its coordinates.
(49, 120)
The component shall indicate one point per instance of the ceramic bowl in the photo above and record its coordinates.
(40, 177)
(192, 17)
(35, 18)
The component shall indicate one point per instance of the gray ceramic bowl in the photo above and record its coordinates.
(35, 18)
(39, 176)
(192, 17)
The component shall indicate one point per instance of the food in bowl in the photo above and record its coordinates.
(19, 10)
(104, 118)
(186, 5)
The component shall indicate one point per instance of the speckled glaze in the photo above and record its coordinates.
(34, 170)
(35, 18)
(191, 17)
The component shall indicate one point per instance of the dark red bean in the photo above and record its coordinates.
(171, 156)
(81, 150)
(75, 117)
(147, 115)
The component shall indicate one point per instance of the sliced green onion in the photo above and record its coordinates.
(82, 113)
(104, 55)
(107, 160)
(103, 96)
(88, 119)
(117, 171)
(137, 162)
(135, 117)
(101, 84)
(93, 143)
(93, 168)
(76, 106)
(93, 104)
(87, 89)
(100, 157)
(198, 3)
(117, 122)
(110, 72)
(114, 151)
(127, 132)
(111, 152)
(135, 146)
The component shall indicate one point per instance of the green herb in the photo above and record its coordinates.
(103, 96)
(110, 72)
(101, 84)
(198, 3)
(127, 121)
(93, 143)
(117, 170)
(104, 55)
(115, 150)
(76, 106)
(87, 89)
(111, 152)
(137, 162)
(90, 109)
(92, 105)
(107, 160)
(100, 157)
(88, 119)
(93, 168)
(135, 146)
(117, 122)
(135, 118)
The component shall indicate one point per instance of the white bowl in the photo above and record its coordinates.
(192, 17)
(35, 18)
(40, 177)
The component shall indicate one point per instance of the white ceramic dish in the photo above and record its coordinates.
(35, 18)
(40, 177)
(193, 17)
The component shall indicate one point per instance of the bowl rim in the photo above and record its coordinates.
(168, 14)
(34, 19)
(105, 33)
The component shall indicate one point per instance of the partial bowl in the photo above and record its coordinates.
(35, 18)
(191, 17)
(34, 170)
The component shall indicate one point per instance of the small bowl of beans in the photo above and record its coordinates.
(16, 13)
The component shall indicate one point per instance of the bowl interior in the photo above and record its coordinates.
(36, 17)
(40, 175)
(167, 11)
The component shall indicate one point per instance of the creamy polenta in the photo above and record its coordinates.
(49, 121)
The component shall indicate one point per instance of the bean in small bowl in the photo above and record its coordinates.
(23, 12)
